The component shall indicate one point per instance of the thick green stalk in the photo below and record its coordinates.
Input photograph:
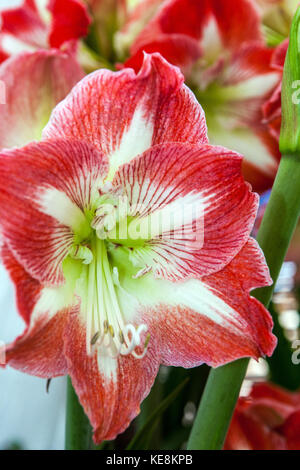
(78, 428)
(224, 383)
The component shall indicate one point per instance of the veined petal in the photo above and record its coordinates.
(27, 289)
(124, 114)
(70, 20)
(34, 84)
(191, 205)
(110, 390)
(234, 112)
(211, 320)
(39, 350)
(45, 188)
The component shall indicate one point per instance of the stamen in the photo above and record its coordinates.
(111, 330)
(105, 320)
(81, 252)
(105, 325)
(121, 337)
(95, 338)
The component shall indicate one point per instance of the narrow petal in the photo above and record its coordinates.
(45, 188)
(70, 20)
(192, 205)
(34, 84)
(110, 390)
(39, 350)
(212, 320)
(124, 114)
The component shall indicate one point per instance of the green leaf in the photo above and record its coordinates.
(289, 142)
(143, 436)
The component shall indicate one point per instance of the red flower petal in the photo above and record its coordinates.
(177, 49)
(291, 431)
(25, 24)
(235, 21)
(27, 288)
(228, 324)
(110, 390)
(34, 84)
(39, 350)
(269, 391)
(124, 114)
(203, 186)
(41, 184)
(70, 20)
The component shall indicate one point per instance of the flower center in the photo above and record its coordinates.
(107, 328)
(102, 296)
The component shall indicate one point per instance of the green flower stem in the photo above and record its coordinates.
(78, 428)
(224, 383)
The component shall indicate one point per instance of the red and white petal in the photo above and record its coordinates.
(212, 22)
(70, 20)
(45, 188)
(27, 289)
(25, 24)
(34, 84)
(124, 114)
(192, 205)
(110, 390)
(39, 350)
(237, 120)
(219, 320)
(212, 320)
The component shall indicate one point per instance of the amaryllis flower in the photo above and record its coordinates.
(220, 48)
(269, 419)
(33, 83)
(36, 24)
(127, 237)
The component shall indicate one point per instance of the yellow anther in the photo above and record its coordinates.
(111, 330)
(121, 337)
(105, 326)
(95, 338)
